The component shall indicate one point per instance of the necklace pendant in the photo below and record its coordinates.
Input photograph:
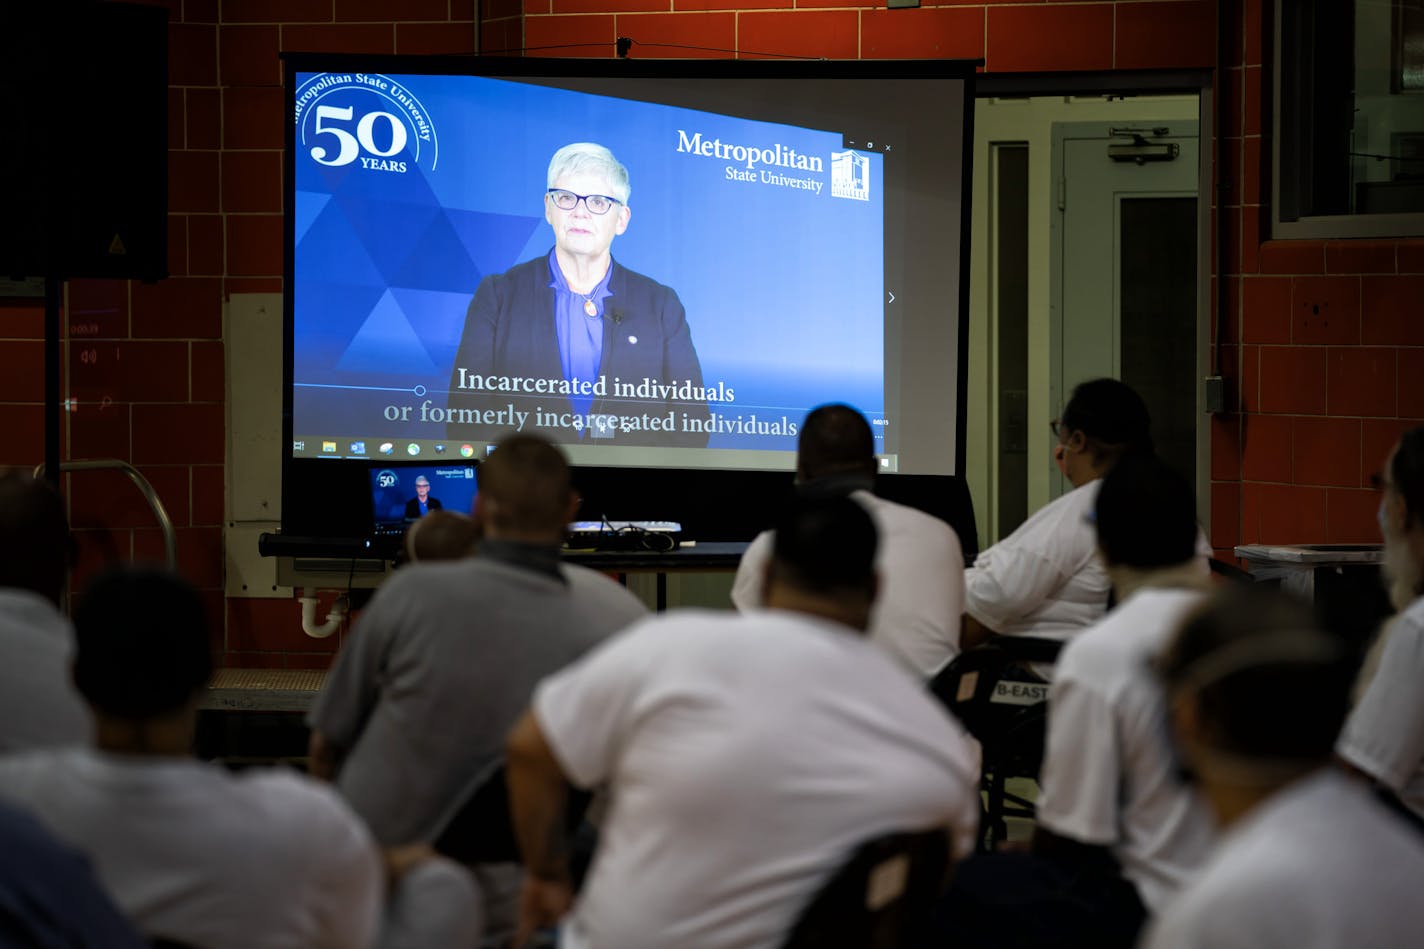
(590, 308)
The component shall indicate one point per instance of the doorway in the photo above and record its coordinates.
(1125, 272)
(1130, 238)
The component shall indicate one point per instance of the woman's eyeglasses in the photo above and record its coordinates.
(567, 201)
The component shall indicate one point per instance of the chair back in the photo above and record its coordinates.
(880, 898)
(994, 692)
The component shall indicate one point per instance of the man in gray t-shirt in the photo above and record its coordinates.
(446, 656)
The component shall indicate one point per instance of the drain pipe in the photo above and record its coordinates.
(333, 618)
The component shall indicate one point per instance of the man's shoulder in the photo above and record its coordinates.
(896, 518)
(1059, 527)
(1138, 627)
(590, 587)
(1412, 619)
(31, 615)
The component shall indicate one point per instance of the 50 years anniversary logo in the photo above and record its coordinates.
(346, 118)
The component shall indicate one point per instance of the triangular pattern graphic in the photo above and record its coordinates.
(332, 246)
(389, 231)
(441, 317)
(386, 343)
(438, 261)
(308, 205)
(488, 237)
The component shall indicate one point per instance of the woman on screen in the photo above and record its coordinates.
(573, 345)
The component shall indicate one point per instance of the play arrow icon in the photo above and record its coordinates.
(892, 295)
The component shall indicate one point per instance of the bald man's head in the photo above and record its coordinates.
(524, 491)
(835, 439)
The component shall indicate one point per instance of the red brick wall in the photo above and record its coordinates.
(145, 362)
(1010, 36)
(1330, 366)
(1326, 353)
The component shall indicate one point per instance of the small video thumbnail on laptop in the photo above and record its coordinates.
(400, 495)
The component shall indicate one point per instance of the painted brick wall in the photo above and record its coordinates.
(1010, 36)
(1326, 351)
(1323, 350)
(145, 362)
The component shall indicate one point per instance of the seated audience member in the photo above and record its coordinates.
(445, 657)
(746, 756)
(441, 535)
(1308, 856)
(916, 618)
(190, 852)
(442, 662)
(1117, 832)
(1384, 735)
(48, 894)
(38, 704)
(1044, 579)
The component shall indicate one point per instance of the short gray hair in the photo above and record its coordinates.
(421, 479)
(588, 157)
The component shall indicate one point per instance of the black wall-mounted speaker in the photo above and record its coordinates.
(84, 140)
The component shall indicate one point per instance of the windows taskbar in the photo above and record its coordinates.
(367, 449)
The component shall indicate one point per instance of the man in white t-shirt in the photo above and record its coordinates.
(1044, 580)
(38, 705)
(1384, 735)
(747, 756)
(920, 563)
(190, 852)
(1309, 857)
(1117, 832)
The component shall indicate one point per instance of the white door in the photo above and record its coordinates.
(1124, 275)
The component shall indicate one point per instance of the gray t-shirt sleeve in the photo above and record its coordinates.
(354, 682)
(617, 607)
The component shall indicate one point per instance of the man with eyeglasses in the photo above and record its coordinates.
(572, 344)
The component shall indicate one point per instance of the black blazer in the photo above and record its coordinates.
(509, 331)
(412, 507)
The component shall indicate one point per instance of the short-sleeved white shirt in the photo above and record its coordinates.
(747, 755)
(263, 860)
(1320, 865)
(921, 566)
(1384, 735)
(1109, 777)
(1045, 579)
(39, 707)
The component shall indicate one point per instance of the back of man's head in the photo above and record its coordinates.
(524, 490)
(1271, 687)
(824, 550)
(141, 644)
(1146, 515)
(38, 549)
(835, 439)
(441, 535)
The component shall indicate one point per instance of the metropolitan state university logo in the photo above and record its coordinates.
(366, 120)
(850, 175)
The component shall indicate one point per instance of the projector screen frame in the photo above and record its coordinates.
(329, 497)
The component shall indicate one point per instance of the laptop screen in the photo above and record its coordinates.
(404, 494)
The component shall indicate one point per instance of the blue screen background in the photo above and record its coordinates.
(783, 287)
